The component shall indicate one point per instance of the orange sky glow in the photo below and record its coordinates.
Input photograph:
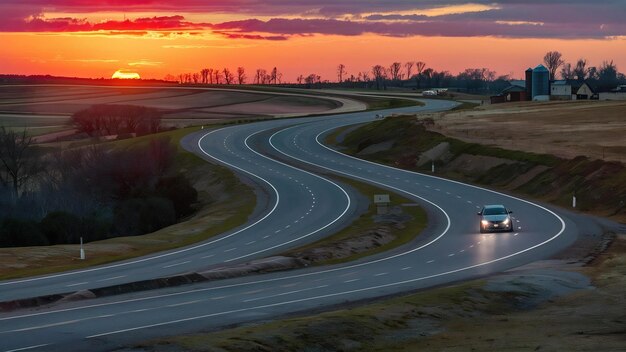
(93, 46)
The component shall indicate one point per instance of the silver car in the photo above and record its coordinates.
(495, 218)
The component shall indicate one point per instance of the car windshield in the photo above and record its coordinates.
(494, 211)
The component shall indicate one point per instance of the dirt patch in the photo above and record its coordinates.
(476, 164)
(346, 248)
(594, 129)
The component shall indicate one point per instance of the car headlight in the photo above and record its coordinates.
(484, 222)
(506, 221)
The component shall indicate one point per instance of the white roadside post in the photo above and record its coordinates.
(82, 251)
(573, 201)
(432, 167)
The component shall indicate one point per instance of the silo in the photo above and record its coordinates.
(541, 83)
(529, 84)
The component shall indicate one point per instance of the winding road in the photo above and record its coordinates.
(288, 161)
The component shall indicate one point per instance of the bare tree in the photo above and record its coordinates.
(419, 66)
(228, 76)
(379, 73)
(259, 77)
(241, 75)
(408, 66)
(18, 160)
(196, 78)
(205, 75)
(341, 70)
(553, 61)
(581, 71)
(210, 75)
(274, 76)
(217, 75)
(567, 72)
(300, 79)
(395, 70)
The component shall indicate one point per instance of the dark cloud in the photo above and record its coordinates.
(400, 18)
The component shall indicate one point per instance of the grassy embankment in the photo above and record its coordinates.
(600, 186)
(224, 203)
(400, 234)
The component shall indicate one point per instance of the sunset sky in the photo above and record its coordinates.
(95, 38)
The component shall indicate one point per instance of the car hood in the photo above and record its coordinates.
(501, 217)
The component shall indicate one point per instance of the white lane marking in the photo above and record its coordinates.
(253, 291)
(177, 264)
(344, 212)
(112, 278)
(469, 201)
(462, 250)
(515, 234)
(277, 231)
(349, 281)
(251, 242)
(77, 284)
(451, 255)
(471, 246)
(285, 293)
(430, 261)
(208, 256)
(406, 268)
(380, 274)
(230, 250)
(28, 348)
(266, 236)
(218, 298)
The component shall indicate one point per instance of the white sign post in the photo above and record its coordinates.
(574, 202)
(82, 251)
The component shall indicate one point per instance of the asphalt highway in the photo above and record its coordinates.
(301, 206)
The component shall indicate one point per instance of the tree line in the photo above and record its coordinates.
(50, 196)
(414, 75)
(227, 76)
(106, 120)
(605, 77)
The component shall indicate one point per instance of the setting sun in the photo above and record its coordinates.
(125, 74)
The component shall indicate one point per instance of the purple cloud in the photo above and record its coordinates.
(399, 18)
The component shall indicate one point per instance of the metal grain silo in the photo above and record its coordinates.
(541, 83)
(529, 84)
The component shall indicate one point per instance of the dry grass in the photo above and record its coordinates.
(595, 129)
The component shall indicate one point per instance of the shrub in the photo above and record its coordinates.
(21, 233)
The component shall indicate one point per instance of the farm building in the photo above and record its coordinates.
(564, 90)
(585, 91)
(511, 93)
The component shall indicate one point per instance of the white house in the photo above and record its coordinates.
(585, 92)
(562, 90)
